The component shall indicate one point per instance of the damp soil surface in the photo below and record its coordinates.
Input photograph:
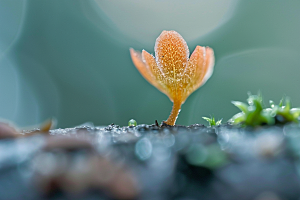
(153, 162)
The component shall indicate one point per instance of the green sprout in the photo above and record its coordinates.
(212, 121)
(132, 122)
(255, 114)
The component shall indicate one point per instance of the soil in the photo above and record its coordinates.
(153, 162)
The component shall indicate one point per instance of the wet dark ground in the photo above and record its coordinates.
(153, 162)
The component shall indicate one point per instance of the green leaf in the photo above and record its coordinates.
(219, 122)
(287, 104)
(295, 112)
(251, 118)
(212, 121)
(209, 120)
(281, 102)
(237, 118)
(254, 98)
(242, 106)
(271, 111)
(268, 117)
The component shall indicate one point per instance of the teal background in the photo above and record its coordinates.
(69, 59)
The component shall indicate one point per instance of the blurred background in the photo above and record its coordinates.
(69, 59)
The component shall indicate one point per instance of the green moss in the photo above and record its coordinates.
(212, 121)
(254, 113)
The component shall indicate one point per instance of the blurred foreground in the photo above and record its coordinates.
(153, 162)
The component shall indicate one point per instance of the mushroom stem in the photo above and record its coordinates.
(174, 113)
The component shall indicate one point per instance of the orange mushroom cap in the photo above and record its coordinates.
(172, 71)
